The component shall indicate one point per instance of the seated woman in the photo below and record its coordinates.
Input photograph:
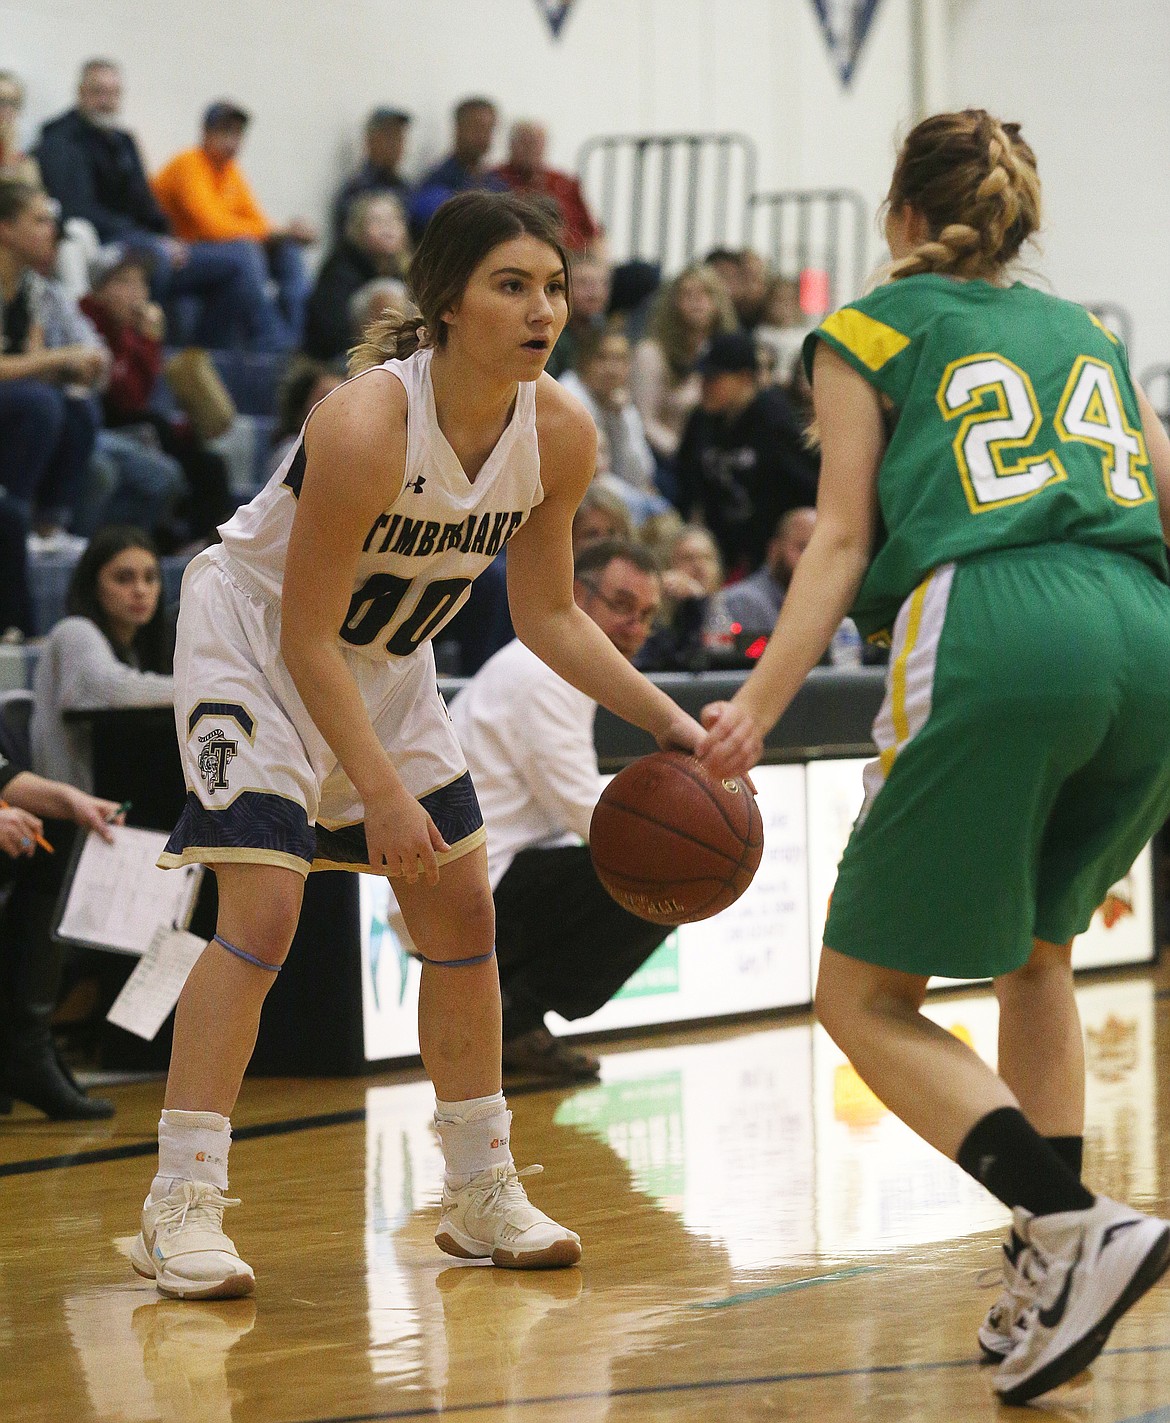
(697, 632)
(113, 650)
(625, 461)
(375, 243)
(664, 381)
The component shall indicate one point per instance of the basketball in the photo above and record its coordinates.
(672, 843)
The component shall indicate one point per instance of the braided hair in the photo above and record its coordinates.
(974, 180)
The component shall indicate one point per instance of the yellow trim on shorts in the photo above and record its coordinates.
(444, 857)
(234, 855)
(898, 676)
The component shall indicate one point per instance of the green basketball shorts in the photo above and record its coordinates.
(1024, 760)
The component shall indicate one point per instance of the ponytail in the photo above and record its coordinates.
(391, 337)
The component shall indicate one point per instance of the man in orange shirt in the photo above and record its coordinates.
(206, 198)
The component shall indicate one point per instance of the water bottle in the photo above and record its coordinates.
(845, 648)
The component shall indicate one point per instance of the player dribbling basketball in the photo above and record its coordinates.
(314, 735)
(987, 495)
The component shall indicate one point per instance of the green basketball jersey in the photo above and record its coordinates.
(1013, 422)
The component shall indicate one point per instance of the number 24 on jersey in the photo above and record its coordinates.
(994, 444)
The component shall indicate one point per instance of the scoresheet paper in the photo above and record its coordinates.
(118, 897)
(153, 989)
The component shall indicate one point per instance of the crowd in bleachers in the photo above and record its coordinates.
(163, 339)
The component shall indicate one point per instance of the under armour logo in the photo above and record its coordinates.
(415, 485)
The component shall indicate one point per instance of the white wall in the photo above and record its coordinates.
(1089, 83)
(309, 72)
(1087, 80)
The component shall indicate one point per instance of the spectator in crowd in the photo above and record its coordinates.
(94, 170)
(375, 300)
(664, 382)
(464, 167)
(385, 137)
(14, 162)
(206, 198)
(783, 327)
(697, 632)
(754, 602)
(563, 944)
(31, 959)
(743, 460)
(114, 649)
(375, 243)
(526, 172)
(51, 359)
(601, 514)
(304, 383)
(746, 276)
(625, 461)
(133, 327)
(591, 283)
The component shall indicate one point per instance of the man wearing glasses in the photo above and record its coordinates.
(563, 945)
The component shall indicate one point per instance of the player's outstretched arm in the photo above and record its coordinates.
(828, 575)
(540, 583)
(356, 457)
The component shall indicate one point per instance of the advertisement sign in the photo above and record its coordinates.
(760, 953)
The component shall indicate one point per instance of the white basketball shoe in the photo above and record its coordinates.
(492, 1218)
(1002, 1327)
(183, 1249)
(1087, 1268)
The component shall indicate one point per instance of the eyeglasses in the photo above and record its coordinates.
(623, 606)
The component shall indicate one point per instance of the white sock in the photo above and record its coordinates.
(192, 1146)
(474, 1134)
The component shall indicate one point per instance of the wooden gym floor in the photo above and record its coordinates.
(761, 1240)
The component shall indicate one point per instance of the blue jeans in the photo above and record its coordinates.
(219, 297)
(130, 484)
(46, 439)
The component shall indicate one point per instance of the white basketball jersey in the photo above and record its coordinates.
(420, 557)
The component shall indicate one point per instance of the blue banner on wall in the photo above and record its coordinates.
(556, 12)
(846, 24)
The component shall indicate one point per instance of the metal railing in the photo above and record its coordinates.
(814, 229)
(670, 198)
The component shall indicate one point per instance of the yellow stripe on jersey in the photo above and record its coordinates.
(1100, 325)
(872, 342)
(898, 677)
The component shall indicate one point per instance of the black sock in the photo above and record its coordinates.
(1071, 1150)
(1019, 1167)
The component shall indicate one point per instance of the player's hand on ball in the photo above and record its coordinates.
(403, 839)
(683, 733)
(734, 741)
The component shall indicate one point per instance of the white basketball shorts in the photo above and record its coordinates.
(263, 785)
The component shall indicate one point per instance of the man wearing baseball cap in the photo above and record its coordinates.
(743, 460)
(385, 136)
(206, 198)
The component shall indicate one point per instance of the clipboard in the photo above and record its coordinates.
(115, 897)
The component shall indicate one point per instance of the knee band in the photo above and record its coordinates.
(459, 963)
(248, 958)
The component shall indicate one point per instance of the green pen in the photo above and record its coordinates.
(122, 810)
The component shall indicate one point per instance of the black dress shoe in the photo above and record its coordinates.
(539, 1054)
(36, 1075)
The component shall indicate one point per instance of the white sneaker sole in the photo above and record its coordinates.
(557, 1256)
(234, 1286)
(1081, 1354)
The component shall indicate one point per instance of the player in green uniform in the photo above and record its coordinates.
(994, 498)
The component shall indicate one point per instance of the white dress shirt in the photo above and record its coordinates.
(528, 738)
